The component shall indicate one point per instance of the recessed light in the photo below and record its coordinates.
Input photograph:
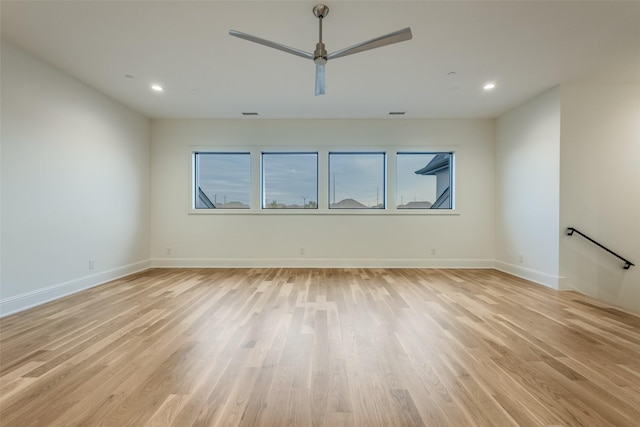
(451, 74)
(489, 86)
(129, 76)
(157, 88)
(397, 113)
(250, 114)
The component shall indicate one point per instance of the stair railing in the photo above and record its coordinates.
(627, 263)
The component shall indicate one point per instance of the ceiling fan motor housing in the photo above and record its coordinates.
(320, 54)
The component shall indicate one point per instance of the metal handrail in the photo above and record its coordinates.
(627, 263)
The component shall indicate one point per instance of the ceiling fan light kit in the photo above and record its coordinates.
(320, 55)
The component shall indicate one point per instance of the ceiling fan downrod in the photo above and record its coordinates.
(320, 54)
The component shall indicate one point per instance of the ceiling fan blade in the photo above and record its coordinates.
(269, 43)
(319, 79)
(395, 37)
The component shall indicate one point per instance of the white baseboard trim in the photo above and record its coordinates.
(319, 263)
(565, 285)
(41, 296)
(536, 276)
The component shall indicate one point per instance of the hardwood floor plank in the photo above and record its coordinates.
(320, 347)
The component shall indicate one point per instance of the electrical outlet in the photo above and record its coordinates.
(433, 251)
(301, 251)
(92, 264)
(521, 258)
(168, 251)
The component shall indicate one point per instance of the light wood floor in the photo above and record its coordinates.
(320, 347)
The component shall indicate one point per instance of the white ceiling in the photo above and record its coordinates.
(526, 47)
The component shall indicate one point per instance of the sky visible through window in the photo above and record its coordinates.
(290, 180)
(411, 187)
(357, 177)
(225, 177)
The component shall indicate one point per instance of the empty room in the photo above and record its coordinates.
(293, 213)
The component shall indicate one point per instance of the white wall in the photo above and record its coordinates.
(330, 239)
(527, 189)
(600, 190)
(75, 184)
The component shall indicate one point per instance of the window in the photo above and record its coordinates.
(222, 180)
(423, 181)
(356, 180)
(351, 181)
(289, 180)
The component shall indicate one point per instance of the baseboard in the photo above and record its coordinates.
(31, 299)
(536, 276)
(319, 263)
(565, 285)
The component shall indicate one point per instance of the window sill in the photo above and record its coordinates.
(321, 212)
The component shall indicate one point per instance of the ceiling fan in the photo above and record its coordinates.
(320, 56)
